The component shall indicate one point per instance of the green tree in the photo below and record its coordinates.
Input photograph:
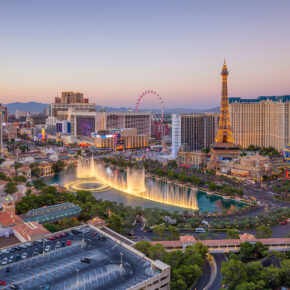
(35, 172)
(115, 223)
(38, 183)
(58, 166)
(172, 164)
(254, 270)
(188, 273)
(17, 165)
(234, 273)
(258, 285)
(173, 233)
(160, 231)
(271, 276)
(174, 258)
(11, 187)
(285, 271)
(246, 250)
(19, 178)
(171, 174)
(144, 247)
(233, 234)
(157, 252)
(259, 250)
(3, 176)
(263, 232)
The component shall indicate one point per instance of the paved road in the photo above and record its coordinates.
(205, 278)
(217, 284)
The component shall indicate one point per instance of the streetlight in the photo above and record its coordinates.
(77, 283)
(83, 240)
(121, 265)
(43, 243)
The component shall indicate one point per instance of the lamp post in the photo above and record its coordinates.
(77, 283)
(83, 240)
(121, 265)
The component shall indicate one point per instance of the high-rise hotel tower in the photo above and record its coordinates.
(263, 122)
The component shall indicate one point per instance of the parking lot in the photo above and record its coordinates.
(79, 259)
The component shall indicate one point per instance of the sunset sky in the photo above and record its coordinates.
(114, 50)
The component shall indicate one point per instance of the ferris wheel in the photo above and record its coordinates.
(151, 92)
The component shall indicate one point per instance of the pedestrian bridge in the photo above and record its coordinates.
(226, 246)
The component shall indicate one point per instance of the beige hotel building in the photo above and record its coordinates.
(263, 122)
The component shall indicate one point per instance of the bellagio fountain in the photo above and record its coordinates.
(97, 177)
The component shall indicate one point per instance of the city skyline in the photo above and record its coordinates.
(112, 52)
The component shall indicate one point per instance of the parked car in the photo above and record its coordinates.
(4, 262)
(47, 248)
(284, 222)
(35, 252)
(86, 260)
(68, 242)
(7, 269)
(51, 238)
(14, 286)
(24, 256)
(200, 230)
(3, 283)
(11, 259)
(57, 245)
(17, 258)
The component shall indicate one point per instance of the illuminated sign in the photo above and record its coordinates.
(43, 134)
(287, 173)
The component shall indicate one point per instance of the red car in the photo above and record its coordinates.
(63, 234)
(58, 236)
(284, 223)
(51, 238)
(68, 242)
(3, 283)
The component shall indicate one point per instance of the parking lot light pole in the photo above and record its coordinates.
(121, 265)
(83, 241)
(77, 277)
(43, 242)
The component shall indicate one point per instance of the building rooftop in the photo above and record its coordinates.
(52, 213)
(282, 99)
(30, 231)
(8, 219)
(8, 241)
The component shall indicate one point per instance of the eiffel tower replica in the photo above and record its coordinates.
(224, 147)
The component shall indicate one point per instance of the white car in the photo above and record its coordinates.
(24, 256)
(47, 248)
(4, 262)
(5, 251)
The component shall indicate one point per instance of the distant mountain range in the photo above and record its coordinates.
(35, 107)
(32, 107)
